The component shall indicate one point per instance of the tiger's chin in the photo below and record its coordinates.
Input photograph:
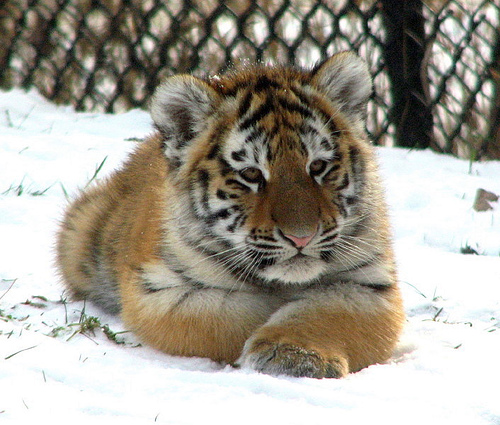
(299, 269)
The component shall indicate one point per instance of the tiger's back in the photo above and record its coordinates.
(251, 226)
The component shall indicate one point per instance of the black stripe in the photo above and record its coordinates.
(377, 286)
(334, 131)
(253, 136)
(329, 238)
(203, 177)
(225, 166)
(194, 286)
(341, 207)
(351, 200)
(266, 262)
(265, 246)
(326, 145)
(214, 151)
(344, 183)
(269, 154)
(245, 104)
(326, 256)
(303, 148)
(337, 156)
(357, 167)
(261, 237)
(232, 91)
(221, 214)
(238, 185)
(302, 97)
(204, 180)
(260, 113)
(149, 287)
(223, 195)
(355, 157)
(305, 127)
(295, 107)
(333, 168)
(264, 83)
(239, 221)
(205, 251)
(353, 153)
(239, 155)
(256, 153)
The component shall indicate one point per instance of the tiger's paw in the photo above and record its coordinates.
(292, 360)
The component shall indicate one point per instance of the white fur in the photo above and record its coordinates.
(346, 80)
(295, 271)
(236, 141)
(183, 92)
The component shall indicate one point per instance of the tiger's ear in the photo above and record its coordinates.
(180, 109)
(346, 81)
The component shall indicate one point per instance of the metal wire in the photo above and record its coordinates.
(109, 55)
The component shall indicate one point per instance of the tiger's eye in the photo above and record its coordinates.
(317, 167)
(252, 175)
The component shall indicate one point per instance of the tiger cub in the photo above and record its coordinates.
(250, 228)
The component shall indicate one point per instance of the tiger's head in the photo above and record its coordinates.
(271, 168)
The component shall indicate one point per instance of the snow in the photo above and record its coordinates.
(445, 370)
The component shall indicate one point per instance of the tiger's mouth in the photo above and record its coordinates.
(298, 269)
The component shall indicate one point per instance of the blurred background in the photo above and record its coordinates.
(435, 63)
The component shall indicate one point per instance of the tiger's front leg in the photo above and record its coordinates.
(194, 320)
(320, 336)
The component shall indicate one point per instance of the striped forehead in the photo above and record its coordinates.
(275, 122)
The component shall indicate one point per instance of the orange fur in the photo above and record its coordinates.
(250, 228)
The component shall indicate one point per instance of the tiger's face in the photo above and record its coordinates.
(269, 162)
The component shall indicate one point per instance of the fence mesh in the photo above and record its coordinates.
(110, 55)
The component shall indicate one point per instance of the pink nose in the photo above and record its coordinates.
(300, 242)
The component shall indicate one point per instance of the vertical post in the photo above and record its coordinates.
(404, 54)
(490, 148)
(9, 18)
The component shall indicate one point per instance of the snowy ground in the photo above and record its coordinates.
(53, 369)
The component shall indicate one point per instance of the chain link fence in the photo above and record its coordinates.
(110, 55)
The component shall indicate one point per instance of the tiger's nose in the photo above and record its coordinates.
(300, 242)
